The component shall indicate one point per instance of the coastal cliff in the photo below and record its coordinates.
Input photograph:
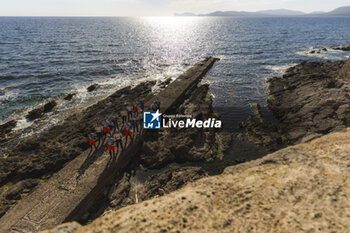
(303, 188)
(310, 100)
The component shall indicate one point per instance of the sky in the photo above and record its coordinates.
(154, 7)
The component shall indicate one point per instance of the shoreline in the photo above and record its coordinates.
(317, 75)
(312, 174)
(310, 100)
(187, 98)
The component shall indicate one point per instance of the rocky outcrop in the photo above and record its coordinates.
(48, 107)
(324, 49)
(39, 156)
(6, 129)
(92, 87)
(343, 48)
(35, 114)
(303, 188)
(40, 112)
(344, 74)
(161, 147)
(69, 97)
(263, 134)
(123, 194)
(180, 145)
(310, 101)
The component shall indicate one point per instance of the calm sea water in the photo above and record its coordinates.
(44, 58)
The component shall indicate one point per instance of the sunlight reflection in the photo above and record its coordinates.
(171, 21)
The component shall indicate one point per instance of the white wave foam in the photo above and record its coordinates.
(22, 124)
(329, 54)
(279, 69)
(8, 94)
(84, 99)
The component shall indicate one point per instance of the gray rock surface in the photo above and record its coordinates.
(310, 100)
(6, 129)
(180, 145)
(40, 156)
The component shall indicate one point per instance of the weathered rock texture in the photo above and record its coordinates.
(303, 188)
(5, 129)
(310, 100)
(344, 73)
(42, 155)
(69, 193)
(180, 145)
(123, 194)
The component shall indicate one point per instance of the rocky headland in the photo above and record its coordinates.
(31, 162)
(309, 101)
(301, 188)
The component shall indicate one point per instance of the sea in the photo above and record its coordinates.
(46, 58)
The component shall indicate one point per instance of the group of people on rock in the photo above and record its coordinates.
(131, 119)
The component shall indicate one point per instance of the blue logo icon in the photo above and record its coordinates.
(151, 120)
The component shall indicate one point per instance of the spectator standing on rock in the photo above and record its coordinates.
(136, 108)
(157, 102)
(118, 140)
(142, 104)
(92, 141)
(127, 129)
(135, 123)
(140, 119)
(99, 133)
(124, 115)
(110, 145)
(129, 108)
(106, 127)
(154, 106)
(115, 121)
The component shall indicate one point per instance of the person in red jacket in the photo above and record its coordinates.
(128, 129)
(106, 127)
(92, 141)
(110, 145)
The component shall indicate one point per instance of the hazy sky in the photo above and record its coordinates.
(154, 7)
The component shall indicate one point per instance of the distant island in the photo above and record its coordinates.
(341, 11)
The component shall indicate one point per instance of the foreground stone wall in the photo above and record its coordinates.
(303, 188)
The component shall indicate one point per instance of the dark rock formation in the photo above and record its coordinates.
(35, 114)
(92, 87)
(173, 178)
(69, 97)
(310, 101)
(6, 129)
(48, 107)
(343, 48)
(44, 154)
(169, 145)
(39, 112)
(263, 133)
(319, 50)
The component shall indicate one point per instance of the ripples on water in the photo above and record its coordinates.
(45, 58)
